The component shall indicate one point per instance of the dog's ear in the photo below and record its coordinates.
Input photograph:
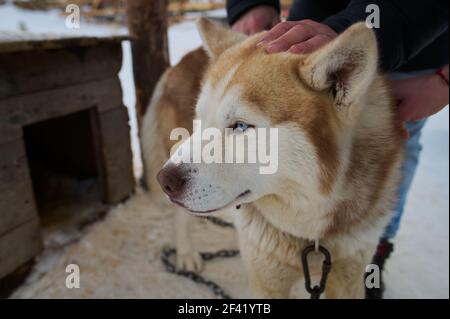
(216, 38)
(346, 66)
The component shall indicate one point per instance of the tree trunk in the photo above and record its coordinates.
(147, 24)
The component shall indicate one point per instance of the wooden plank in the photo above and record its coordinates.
(29, 72)
(115, 126)
(10, 133)
(13, 162)
(31, 108)
(19, 246)
(97, 143)
(27, 41)
(117, 155)
(17, 206)
(16, 191)
(120, 180)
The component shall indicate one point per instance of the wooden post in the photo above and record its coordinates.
(147, 24)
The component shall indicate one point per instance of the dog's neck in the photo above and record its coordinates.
(302, 217)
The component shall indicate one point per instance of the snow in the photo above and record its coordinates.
(419, 267)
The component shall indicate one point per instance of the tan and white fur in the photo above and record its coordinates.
(339, 149)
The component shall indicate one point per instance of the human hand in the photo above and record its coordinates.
(256, 20)
(302, 36)
(420, 97)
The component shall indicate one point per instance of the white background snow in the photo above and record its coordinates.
(421, 258)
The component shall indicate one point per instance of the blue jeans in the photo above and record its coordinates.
(413, 149)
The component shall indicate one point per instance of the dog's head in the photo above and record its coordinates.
(308, 99)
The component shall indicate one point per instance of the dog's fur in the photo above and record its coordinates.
(340, 149)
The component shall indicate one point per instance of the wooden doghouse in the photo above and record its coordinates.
(64, 137)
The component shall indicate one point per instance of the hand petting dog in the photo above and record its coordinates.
(300, 37)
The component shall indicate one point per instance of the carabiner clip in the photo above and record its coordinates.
(317, 290)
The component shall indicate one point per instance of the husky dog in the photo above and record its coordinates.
(339, 146)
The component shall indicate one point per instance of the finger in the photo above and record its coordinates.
(310, 45)
(277, 31)
(296, 35)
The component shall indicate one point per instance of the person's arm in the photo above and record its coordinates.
(237, 8)
(406, 26)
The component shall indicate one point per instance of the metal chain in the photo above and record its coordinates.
(314, 292)
(206, 256)
(211, 285)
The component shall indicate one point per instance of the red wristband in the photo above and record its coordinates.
(440, 72)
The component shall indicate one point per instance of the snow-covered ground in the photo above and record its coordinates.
(420, 265)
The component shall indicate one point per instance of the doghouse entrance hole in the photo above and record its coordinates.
(65, 169)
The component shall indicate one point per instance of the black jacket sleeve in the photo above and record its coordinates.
(406, 26)
(236, 8)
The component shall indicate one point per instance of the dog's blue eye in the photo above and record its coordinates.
(241, 127)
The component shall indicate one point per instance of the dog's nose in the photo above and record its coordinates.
(171, 180)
